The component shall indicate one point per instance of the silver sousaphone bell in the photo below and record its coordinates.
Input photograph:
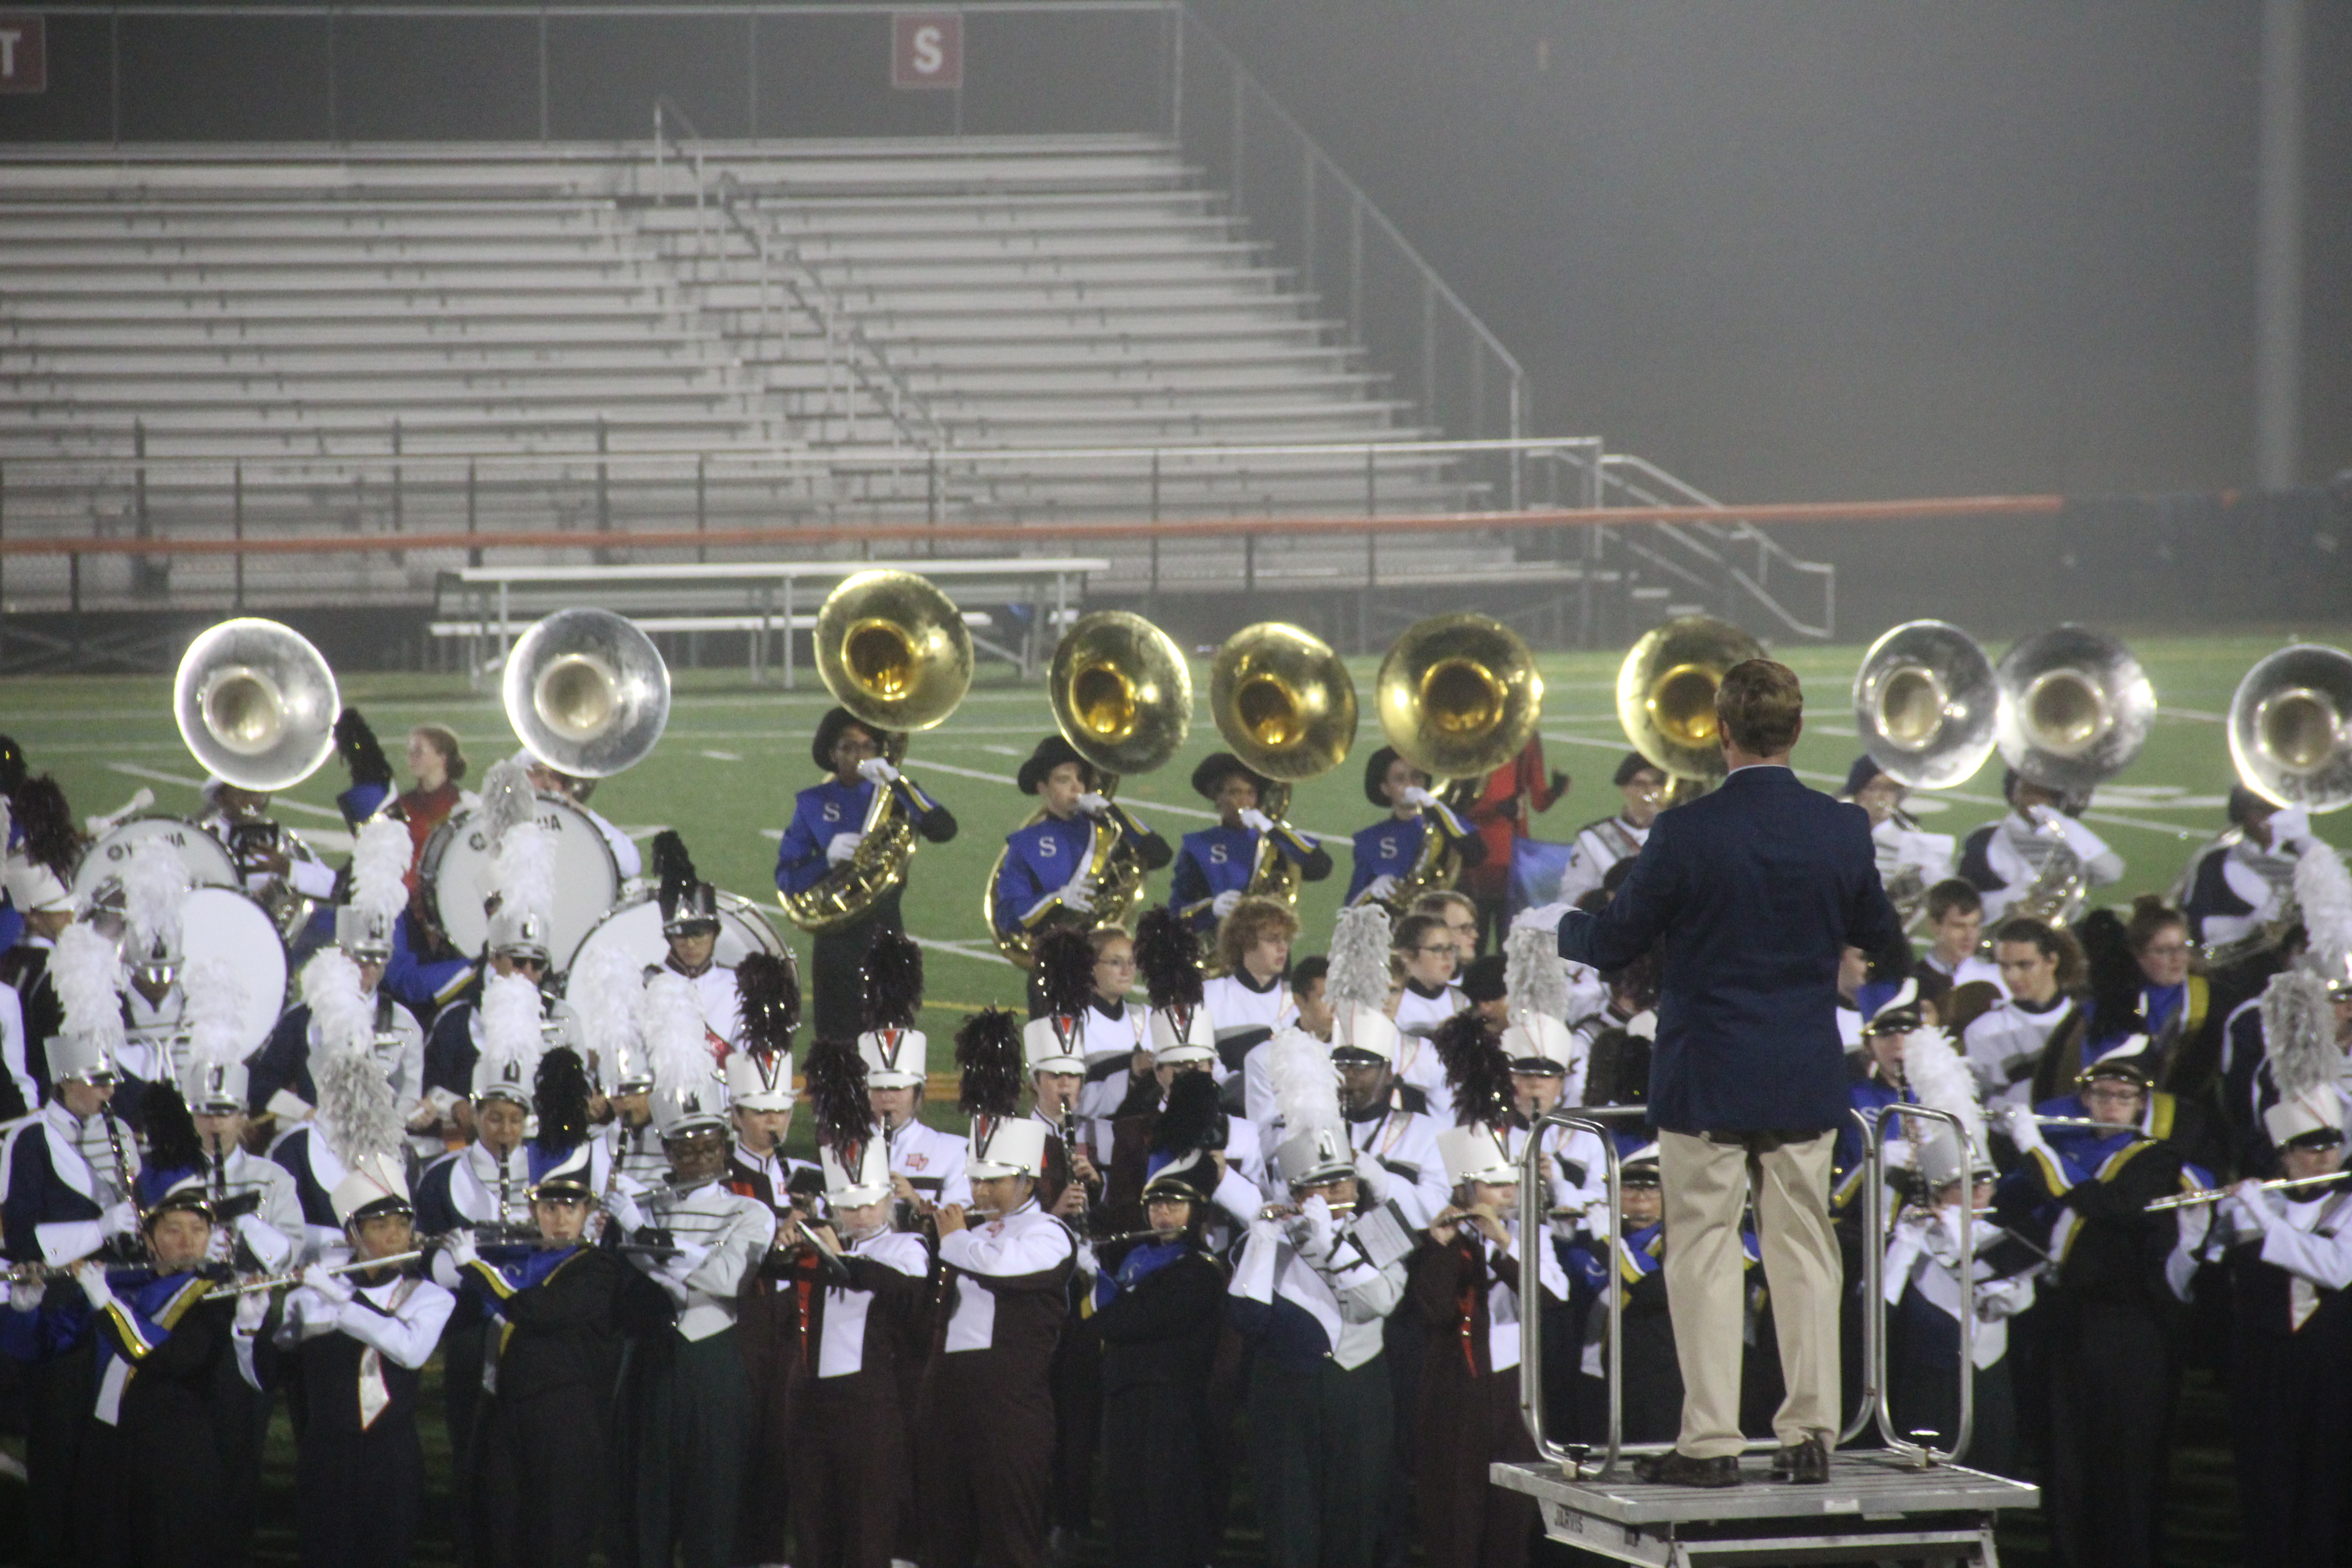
(2075, 709)
(2288, 728)
(256, 704)
(587, 692)
(1925, 700)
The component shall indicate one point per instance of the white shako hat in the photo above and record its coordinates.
(375, 1186)
(687, 1092)
(1004, 1146)
(894, 1058)
(1319, 1154)
(33, 888)
(1535, 992)
(1167, 954)
(1055, 1043)
(508, 1063)
(1198, 1043)
(1357, 986)
(2315, 1117)
(759, 1081)
(90, 1041)
(380, 858)
(894, 1050)
(1477, 1154)
(864, 1179)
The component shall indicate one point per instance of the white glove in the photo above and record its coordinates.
(878, 770)
(252, 1312)
(2191, 1224)
(25, 1295)
(2262, 1209)
(1256, 821)
(330, 1286)
(1222, 904)
(2086, 845)
(624, 1211)
(1999, 1298)
(120, 1219)
(1094, 804)
(2290, 824)
(841, 847)
(1378, 888)
(1542, 917)
(462, 1250)
(92, 1280)
(1416, 796)
(2018, 1121)
(1598, 1223)
(1079, 893)
(1314, 1222)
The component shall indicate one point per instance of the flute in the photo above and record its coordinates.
(2202, 1195)
(356, 1266)
(1160, 1232)
(1292, 1211)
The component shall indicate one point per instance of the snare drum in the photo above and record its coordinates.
(634, 928)
(207, 859)
(456, 875)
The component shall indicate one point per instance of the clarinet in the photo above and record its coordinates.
(123, 1186)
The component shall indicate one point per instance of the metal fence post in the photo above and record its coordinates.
(473, 557)
(236, 524)
(701, 503)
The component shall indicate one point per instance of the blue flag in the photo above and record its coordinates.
(1536, 868)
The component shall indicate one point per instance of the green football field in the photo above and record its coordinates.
(734, 753)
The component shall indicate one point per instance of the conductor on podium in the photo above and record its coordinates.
(1755, 889)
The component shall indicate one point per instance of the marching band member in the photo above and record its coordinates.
(2007, 1045)
(58, 1209)
(275, 862)
(538, 1470)
(1158, 1308)
(2175, 1004)
(1309, 977)
(37, 885)
(847, 1467)
(1954, 925)
(1357, 980)
(1909, 859)
(152, 887)
(1602, 844)
(548, 779)
(1182, 1043)
(2289, 1256)
(359, 1341)
(1117, 1029)
(1503, 813)
(1429, 956)
(986, 1428)
(760, 1096)
(1216, 864)
(827, 825)
(1397, 1142)
(370, 771)
(1387, 851)
(1458, 914)
(1249, 1002)
(2003, 858)
(2300, 1004)
(606, 989)
(1650, 1394)
(926, 1164)
(689, 912)
(1314, 1301)
(1047, 876)
(437, 766)
(686, 1408)
(2110, 1324)
(1469, 1288)
(2236, 886)
(257, 1203)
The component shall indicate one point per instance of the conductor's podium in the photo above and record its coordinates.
(1876, 1508)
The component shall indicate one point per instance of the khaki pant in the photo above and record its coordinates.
(1706, 1185)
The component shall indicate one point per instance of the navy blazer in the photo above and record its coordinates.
(1757, 889)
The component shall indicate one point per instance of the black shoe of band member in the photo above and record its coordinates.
(1806, 1463)
(1679, 1469)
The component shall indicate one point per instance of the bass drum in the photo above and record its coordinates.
(205, 857)
(635, 930)
(456, 876)
(221, 924)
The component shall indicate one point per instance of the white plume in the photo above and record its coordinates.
(345, 1020)
(1359, 960)
(670, 1019)
(523, 871)
(607, 989)
(1941, 1081)
(84, 967)
(507, 799)
(510, 1019)
(1535, 980)
(2324, 888)
(1305, 1085)
(380, 867)
(7, 826)
(2299, 1029)
(154, 886)
(214, 1013)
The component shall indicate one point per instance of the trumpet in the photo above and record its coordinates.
(294, 1277)
(2203, 1195)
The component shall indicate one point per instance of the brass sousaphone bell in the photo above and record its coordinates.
(894, 650)
(1925, 702)
(1665, 693)
(256, 704)
(2290, 728)
(2076, 708)
(587, 692)
(1287, 705)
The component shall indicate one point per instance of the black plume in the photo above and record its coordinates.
(12, 764)
(1475, 1069)
(172, 1143)
(1066, 972)
(1169, 959)
(771, 1002)
(1189, 1119)
(1620, 1071)
(50, 837)
(894, 982)
(2115, 974)
(559, 1097)
(988, 1050)
(673, 867)
(836, 1091)
(355, 743)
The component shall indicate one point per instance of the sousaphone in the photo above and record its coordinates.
(1925, 702)
(1287, 705)
(1458, 696)
(1666, 695)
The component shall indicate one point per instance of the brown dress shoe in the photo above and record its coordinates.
(1806, 1463)
(1679, 1469)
